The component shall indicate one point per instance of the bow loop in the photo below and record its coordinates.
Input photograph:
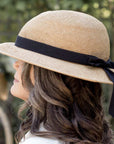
(110, 63)
(94, 61)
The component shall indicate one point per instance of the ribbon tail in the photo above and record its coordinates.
(111, 107)
(111, 76)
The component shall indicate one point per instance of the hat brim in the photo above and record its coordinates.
(88, 73)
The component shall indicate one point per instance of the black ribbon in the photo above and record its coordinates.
(70, 56)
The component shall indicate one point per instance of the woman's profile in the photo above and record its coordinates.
(62, 59)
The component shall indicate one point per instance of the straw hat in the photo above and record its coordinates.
(67, 30)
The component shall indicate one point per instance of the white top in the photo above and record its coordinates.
(32, 139)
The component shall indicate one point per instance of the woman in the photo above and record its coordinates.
(62, 57)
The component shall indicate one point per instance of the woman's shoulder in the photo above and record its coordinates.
(32, 139)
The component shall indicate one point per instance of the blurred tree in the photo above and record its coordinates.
(6, 125)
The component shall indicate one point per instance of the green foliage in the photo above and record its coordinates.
(21, 6)
(14, 13)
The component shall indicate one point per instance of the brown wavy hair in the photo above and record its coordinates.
(70, 108)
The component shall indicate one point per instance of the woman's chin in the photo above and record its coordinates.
(13, 91)
(18, 92)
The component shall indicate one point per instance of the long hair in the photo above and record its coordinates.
(70, 108)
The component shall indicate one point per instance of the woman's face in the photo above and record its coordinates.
(17, 89)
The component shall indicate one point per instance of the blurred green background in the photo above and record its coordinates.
(13, 15)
